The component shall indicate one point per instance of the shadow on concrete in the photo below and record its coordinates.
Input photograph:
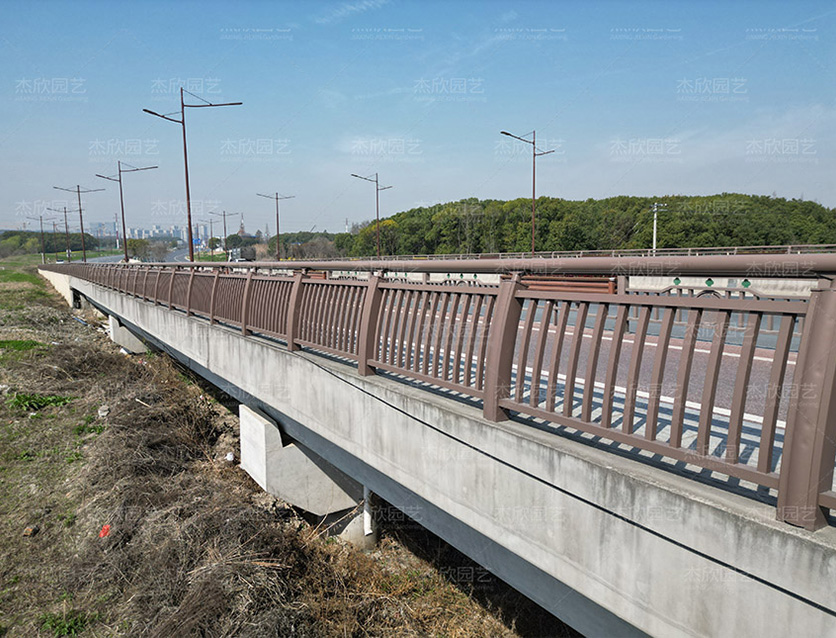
(515, 610)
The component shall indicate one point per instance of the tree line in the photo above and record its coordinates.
(494, 226)
(18, 242)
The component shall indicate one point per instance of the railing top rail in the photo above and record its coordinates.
(808, 266)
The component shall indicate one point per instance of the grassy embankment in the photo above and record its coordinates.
(92, 438)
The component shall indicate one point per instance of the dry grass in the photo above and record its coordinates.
(194, 547)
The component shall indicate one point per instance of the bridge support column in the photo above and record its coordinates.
(292, 472)
(125, 338)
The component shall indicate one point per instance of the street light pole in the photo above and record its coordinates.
(377, 189)
(182, 122)
(534, 155)
(277, 197)
(118, 179)
(78, 191)
(656, 206)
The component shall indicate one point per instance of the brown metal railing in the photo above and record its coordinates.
(737, 384)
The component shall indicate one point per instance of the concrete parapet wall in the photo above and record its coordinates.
(611, 546)
(60, 282)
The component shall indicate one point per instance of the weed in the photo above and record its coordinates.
(85, 428)
(70, 623)
(19, 344)
(74, 456)
(26, 455)
(35, 402)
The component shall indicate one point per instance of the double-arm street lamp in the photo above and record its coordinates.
(277, 197)
(377, 189)
(78, 191)
(182, 122)
(120, 170)
(535, 153)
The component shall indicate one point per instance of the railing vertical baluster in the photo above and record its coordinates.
(457, 357)
(500, 354)
(741, 386)
(425, 342)
(481, 356)
(539, 349)
(712, 374)
(156, 287)
(780, 357)
(213, 297)
(189, 292)
(554, 365)
(439, 333)
(683, 377)
(471, 341)
(612, 365)
(448, 342)
(592, 361)
(171, 287)
(635, 369)
(145, 283)
(574, 359)
(658, 374)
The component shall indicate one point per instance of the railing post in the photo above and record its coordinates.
(145, 284)
(502, 339)
(245, 307)
(366, 344)
(810, 444)
(189, 292)
(157, 286)
(212, 299)
(294, 310)
(171, 286)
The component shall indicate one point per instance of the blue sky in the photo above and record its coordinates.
(638, 98)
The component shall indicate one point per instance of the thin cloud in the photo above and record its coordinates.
(348, 9)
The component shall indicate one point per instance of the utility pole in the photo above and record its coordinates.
(78, 191)
(119, 171)
(377, 189)
(182, 122)
(656, 206)
(43, 249)
(54, 234)
(224, 214)
(277, 197)
(66, 233)
(535, 153)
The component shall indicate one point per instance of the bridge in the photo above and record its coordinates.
(642, 445)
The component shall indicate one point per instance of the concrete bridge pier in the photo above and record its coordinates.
(120, 335)
(286, 469)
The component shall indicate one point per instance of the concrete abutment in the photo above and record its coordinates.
(287, 469)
